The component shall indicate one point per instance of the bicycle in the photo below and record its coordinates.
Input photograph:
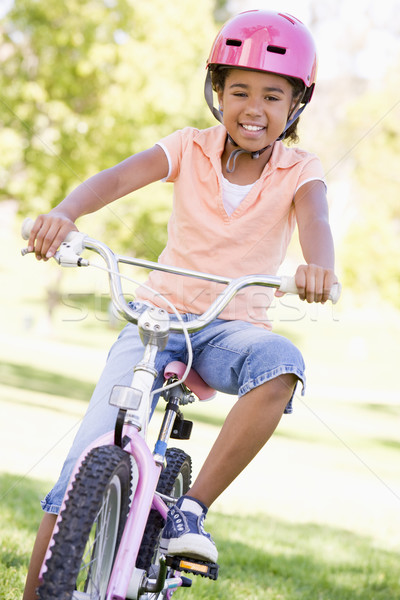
(105, 544)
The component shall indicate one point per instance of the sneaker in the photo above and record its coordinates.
(184, 533)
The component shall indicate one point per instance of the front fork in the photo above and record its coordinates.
(148, 475)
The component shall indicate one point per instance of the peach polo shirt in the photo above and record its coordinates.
(203, 237)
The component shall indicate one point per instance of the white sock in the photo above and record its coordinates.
(189, 505)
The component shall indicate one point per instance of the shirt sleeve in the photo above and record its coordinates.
(310, 179)
(312, 171)
(174, 146)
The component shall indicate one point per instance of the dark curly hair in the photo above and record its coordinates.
(218, 77)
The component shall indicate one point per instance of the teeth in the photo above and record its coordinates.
(252, 127)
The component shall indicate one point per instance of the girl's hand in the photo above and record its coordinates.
(314, 283)
(48, 232)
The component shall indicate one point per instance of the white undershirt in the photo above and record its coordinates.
(233, 194)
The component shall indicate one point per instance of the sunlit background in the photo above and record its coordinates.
(83, 84)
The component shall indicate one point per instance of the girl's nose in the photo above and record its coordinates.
(253, 106)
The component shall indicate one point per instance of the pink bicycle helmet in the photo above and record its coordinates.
(265, 41)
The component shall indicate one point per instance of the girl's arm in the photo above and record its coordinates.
(315, 279)
(133, 173)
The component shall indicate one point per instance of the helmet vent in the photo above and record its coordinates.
(233, 43)
(276, 49)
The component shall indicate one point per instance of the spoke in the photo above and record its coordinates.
(96, 551)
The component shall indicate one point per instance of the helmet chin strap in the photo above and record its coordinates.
(231, 163)
(294, 118)
(208, 94)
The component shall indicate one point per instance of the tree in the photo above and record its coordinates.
(85, 84)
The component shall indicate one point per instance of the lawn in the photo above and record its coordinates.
(261, 558)
(316, 515)
(19, 519)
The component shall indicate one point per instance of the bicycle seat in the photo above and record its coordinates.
(193, 381)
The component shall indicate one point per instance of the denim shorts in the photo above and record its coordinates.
(231, 356)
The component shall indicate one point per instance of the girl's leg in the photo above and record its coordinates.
(263, 369)
(39, 550)
(248, 426)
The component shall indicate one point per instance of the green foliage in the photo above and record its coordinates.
(84, 84)
(371, 250)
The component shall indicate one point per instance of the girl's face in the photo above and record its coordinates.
(255, 107)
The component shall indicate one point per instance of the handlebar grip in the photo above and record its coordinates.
(69, 252)
(26, 228)
(288, 286)
(28, 223)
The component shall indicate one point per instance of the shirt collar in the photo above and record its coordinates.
(212, 142)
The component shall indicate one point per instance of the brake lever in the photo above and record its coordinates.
(68, 255)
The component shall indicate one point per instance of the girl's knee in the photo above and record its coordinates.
(280, 388)
(286, 384)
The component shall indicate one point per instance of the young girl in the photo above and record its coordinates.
(238, 193)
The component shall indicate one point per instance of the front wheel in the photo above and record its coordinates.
(91, 528)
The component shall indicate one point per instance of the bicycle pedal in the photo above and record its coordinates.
(193, 565)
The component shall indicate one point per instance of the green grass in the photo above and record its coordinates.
(265, 559)
(261, 558)
(20, 515)
(44, 381)
(268, 559)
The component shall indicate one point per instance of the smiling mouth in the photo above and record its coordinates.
(252, 127)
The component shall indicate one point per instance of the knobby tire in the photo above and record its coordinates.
(102, 485)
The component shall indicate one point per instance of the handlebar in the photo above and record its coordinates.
(68, 255)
